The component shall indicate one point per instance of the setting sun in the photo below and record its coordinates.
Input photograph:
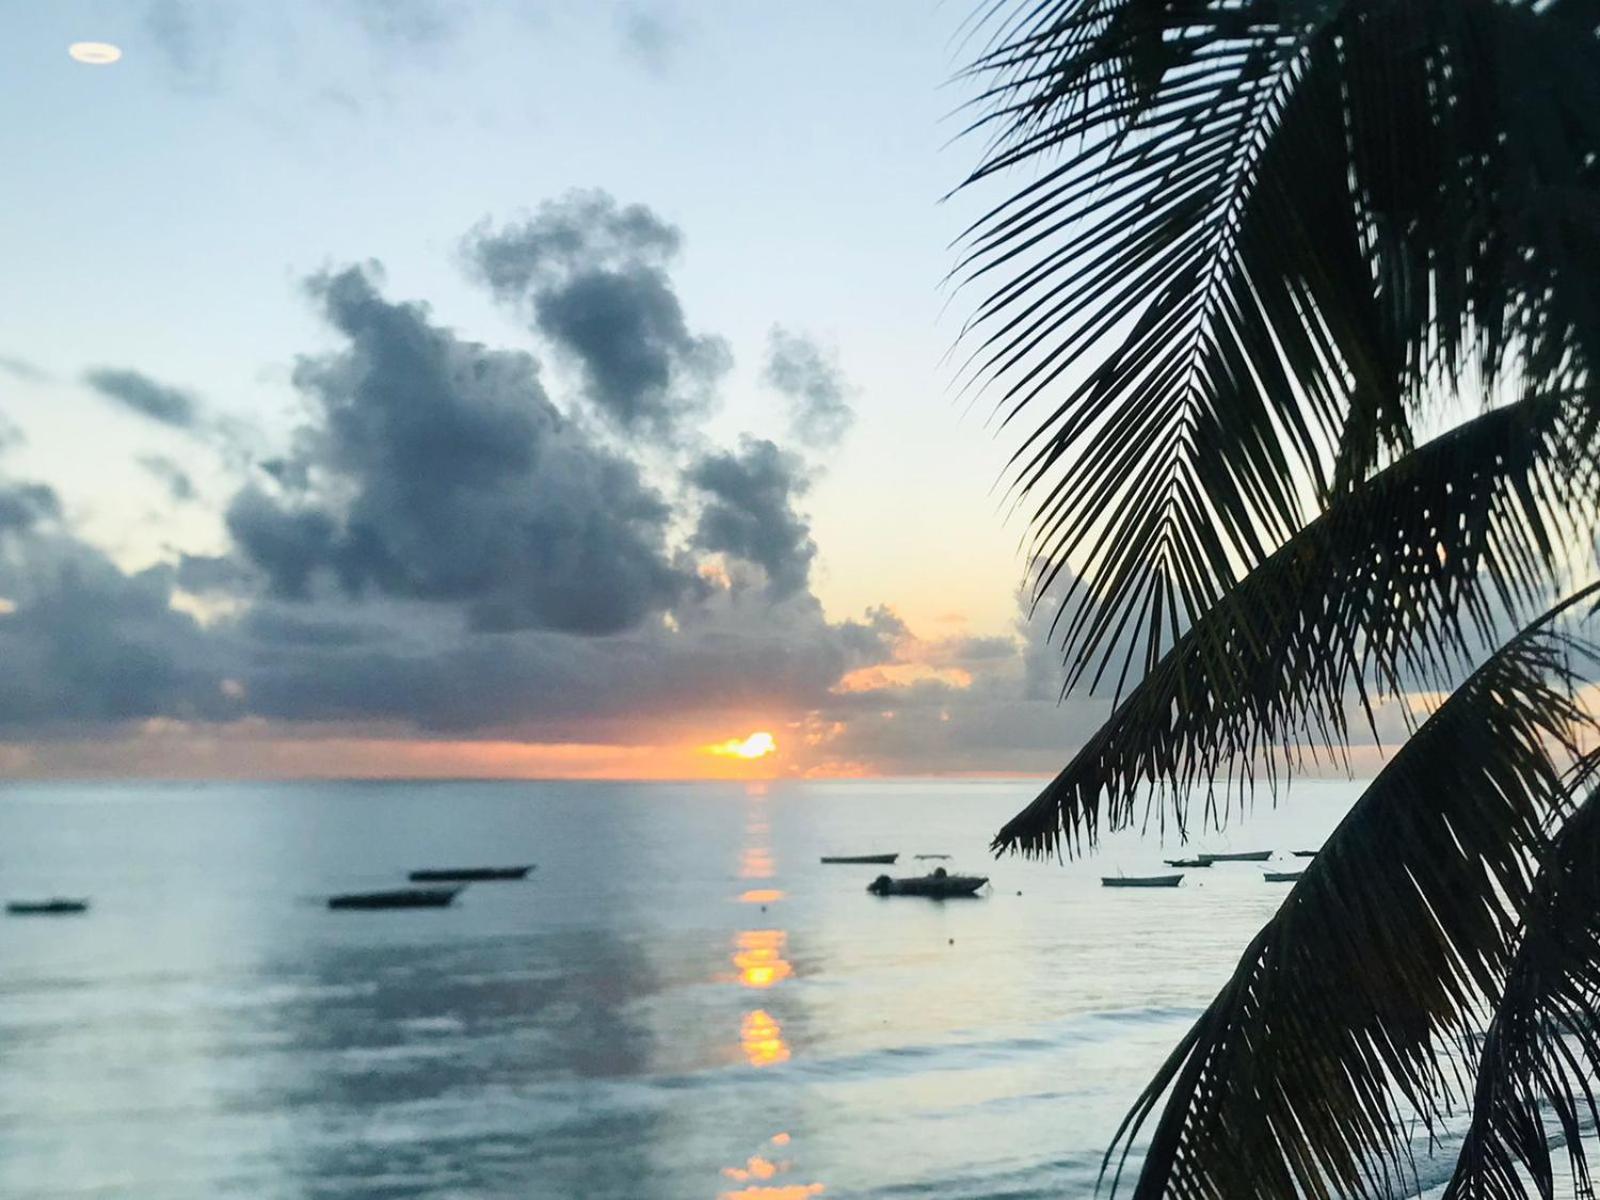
(757, 745)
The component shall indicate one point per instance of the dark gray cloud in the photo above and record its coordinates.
(159, 401)
(452, 477)
(178, 483)
(816, 389)
(730, 655)
(750, 514)
(86, 644)
(21, 368)
(592, 275)
(23, 506)
(213, 574)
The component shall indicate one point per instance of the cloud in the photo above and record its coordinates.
(451, 477)
(158, 401)
(592, 275)
(86, 644)
(810, 379)
(650, 34)
(178, 483)
(749, 511)
(21, 368)
(192, 38)
(23, 506)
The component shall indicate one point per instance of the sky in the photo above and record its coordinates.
(513, 389)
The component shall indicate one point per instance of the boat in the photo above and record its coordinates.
(1304, 853)
(1281, 876)
(930, 856)
(1141, 881)
(56, 906)
(1187, 862)
(883, 859)
(1238, 856)
(940, 885)
(398, 898)
(468, 874)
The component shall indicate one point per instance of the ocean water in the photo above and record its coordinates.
(680, 1002)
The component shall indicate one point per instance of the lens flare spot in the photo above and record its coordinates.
(761, 896)
(94, 54)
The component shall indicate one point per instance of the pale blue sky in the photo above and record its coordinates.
(159, 214)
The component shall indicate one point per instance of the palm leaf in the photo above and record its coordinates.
(1389, 588)
(1301, 1076)
(1262, 234)
(1544, 1041)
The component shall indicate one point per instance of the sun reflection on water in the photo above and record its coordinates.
(759, 957)
(756, 863)
(758, 1170)
(761, 1039)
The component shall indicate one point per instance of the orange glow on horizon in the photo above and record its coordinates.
(757, 745)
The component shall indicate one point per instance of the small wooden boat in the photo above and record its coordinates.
(919, 856)
(1187, 862)
(1304, 853)
(1143, 881)
(399, 898)
(56, 906)
(468, 874)
(940, 885)
(882, 859)
(1281, 876)
(1239, 856)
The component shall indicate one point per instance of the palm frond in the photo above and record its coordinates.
(1389, 589)
(1262, 233)
(1544, 1041)
(1302, 1075)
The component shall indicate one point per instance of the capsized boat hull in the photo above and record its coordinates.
(399, 898)
(877, 859)
(1281, 876)
(56, 907)
(1239, 856)
(937, 887)
(468, 874)
(1141, 881)
(1187, 862)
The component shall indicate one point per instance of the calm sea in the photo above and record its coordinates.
(680, 1002)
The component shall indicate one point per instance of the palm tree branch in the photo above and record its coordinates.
(1377, 595)
(1338, 1025)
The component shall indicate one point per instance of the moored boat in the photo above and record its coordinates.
(1238, 856)
(1141, 881)
(56, 906)
(1281, 876)
(941, 885)
(398, 898)
(468, 874)
(1304, 853)
(881, 859)
(1187, 862)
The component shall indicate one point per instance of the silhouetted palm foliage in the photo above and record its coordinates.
(1267, 246)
